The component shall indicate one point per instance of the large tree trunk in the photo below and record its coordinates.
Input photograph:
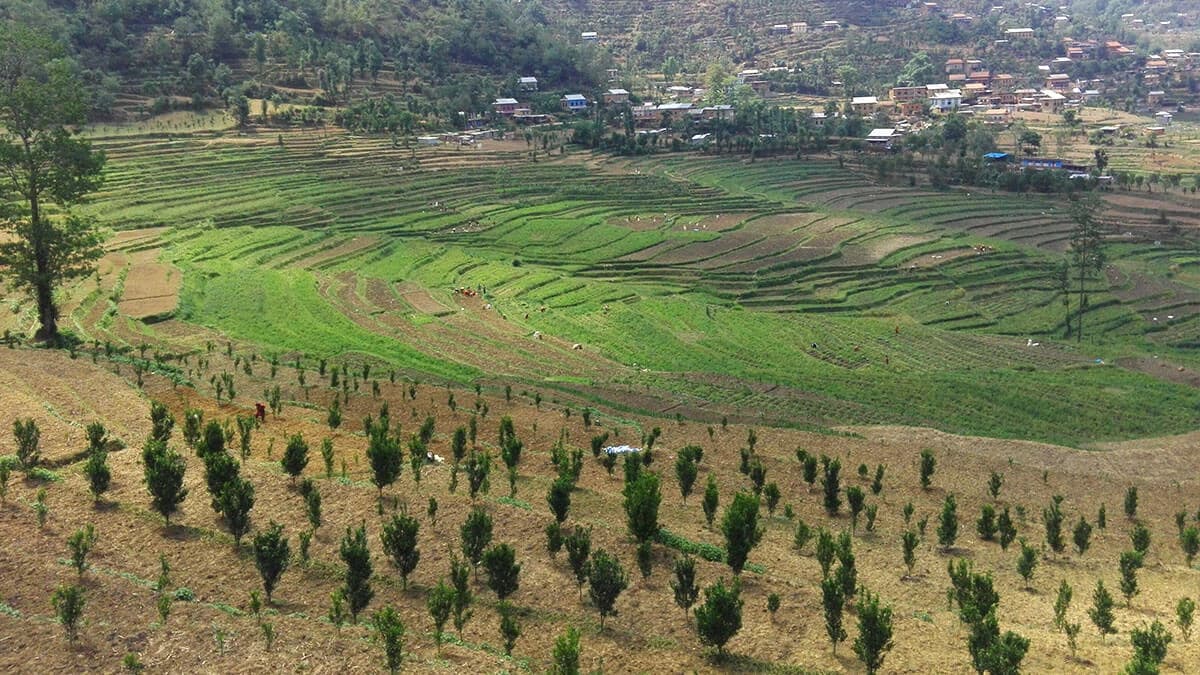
(43, 292)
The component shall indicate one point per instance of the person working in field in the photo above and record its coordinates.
(260, 412)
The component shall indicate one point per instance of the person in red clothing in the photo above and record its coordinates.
(260, 412)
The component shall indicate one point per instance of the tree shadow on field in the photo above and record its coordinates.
(105, 506)
(743, 663)
(180, 532)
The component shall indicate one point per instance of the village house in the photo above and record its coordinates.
(717, 112)
(589, 36)
(1113, 49)
(1004, 82)
(955, 66)
(527, 84)
(1019, 33)
(615, 97)
(1058, 82)
(504, 106)
(645, 113)
(974, 66)
(1051, 101)
(910, 109)
(831, 25)
(781, 29)
(574, 102)
(1155, 98)
(882, 138)
(864, 105)
(909, 94)
(1163, 118)
(946, 101)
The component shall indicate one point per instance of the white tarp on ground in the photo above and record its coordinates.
(621, 449)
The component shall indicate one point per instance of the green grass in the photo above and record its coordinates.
(678, 317)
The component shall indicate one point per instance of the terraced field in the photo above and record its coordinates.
(793, 290)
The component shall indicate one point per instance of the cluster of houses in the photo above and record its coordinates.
(570, 103)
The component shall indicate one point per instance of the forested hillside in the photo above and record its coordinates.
(442, 57)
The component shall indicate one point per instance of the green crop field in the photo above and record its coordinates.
(792, 290)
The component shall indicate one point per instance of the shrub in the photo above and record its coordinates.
(642, 498)
(986, 525)
(385, 456)
(1062, 602)
(803, 534)
(80, 544)
(354, 552)
(554, 538)
(164, 470)
(684, 585)
(503, 571)
(711, 499)
(559, 498)
(1082, 535)
(1101, 518)
(741, 529)
(212, 439)
(1027, 562)
(995, 482)
(1130, 562)
(874, 632)
(1139, 536)
(68, 603)
(1006, 528)
(810, 470)
(910, 540)
(399, 538)
(947, 530)
(833, 602)
(510, 627)
(27, 436)
(719, 617)
(686, 471)
(826, 550)
(855, 497)
(271, 556)
(334, 417)
(847, 573)
(245, 425)
(1052, 518)
(773, 604)
(1150, 644)
(312, 505)
(390, 628)
(927, 468)
(5, 474)
(327, 456)
(579, 546)
(566, 649)
(476, 534)
(235, 502)
(220, 468)
(1184, 611)
(1131, 502)
(459, 579)
(832, 486)
(877, 482)
(440, 604)
(98, 474)
(295, 456)
(478, 465)
(193, 421)
(606, 581)
(1101, 612)
(161, 422)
